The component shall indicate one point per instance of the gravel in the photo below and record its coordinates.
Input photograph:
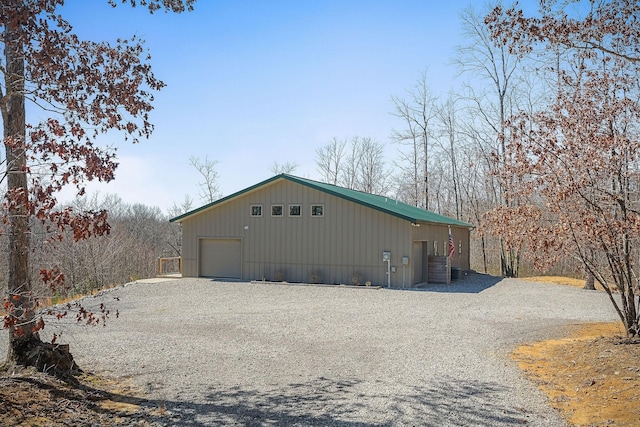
(221, 353)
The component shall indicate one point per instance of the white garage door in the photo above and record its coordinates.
(220, 258)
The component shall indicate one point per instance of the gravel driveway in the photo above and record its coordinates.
(218, 353)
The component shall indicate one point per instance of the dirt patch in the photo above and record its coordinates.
(559, 280)
(30, 398)
(592, 377)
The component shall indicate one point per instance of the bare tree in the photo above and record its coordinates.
(139, 235)
(349, 173)
(178, 209)
(371, 176)
(364, 167)
(284, 168)
(447, 141)
(416, 112)
(357, 164)
(330, 160)
(484, 59)
(209, 187)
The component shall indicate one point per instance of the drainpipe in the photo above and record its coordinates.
(402, 276)
(388, 273)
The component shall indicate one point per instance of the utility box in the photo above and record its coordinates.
(405, 260)
(386, 256)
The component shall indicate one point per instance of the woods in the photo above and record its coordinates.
(537, 147)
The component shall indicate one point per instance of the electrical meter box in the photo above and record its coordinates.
(386, 256)
(405, 260)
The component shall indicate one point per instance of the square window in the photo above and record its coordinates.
(256, 210)
(317, 210)
(295, 210)
(276, 210)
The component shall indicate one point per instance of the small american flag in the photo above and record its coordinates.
(452, 246)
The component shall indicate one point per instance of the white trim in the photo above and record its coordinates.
(281, 206)
(320, 205)
(251, 210)
(300, 210)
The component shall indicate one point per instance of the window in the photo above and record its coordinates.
(276, 210)
(295, 210)
(317, 210)
(256, 210)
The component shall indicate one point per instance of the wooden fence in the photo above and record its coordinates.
(170, 266)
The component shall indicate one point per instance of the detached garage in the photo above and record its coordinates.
(298, 230)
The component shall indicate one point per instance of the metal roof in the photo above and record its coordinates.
(380, 203)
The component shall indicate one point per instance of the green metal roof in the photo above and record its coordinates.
(380, 203)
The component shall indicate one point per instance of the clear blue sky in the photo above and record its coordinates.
(253, 82)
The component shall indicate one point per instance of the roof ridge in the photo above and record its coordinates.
(422, 214)
(374, 201)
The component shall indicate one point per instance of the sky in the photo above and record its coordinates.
(251, 82)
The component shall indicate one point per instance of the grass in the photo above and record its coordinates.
(560, 280)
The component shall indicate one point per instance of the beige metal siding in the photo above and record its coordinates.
(347, 241)
(440, 234)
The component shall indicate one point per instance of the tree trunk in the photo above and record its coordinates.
(508, 261)
(484, 254)
(25, 346)
(13, 117)
(589, 282)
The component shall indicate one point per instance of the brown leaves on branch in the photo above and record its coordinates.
(155, 5)
(85, 89)
(54, 278)
(610, 27)
(574, 168)
(19, 309)
(89, 88)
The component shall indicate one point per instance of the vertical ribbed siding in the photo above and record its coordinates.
(416, 262)
(440, 234)
(348, 239)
